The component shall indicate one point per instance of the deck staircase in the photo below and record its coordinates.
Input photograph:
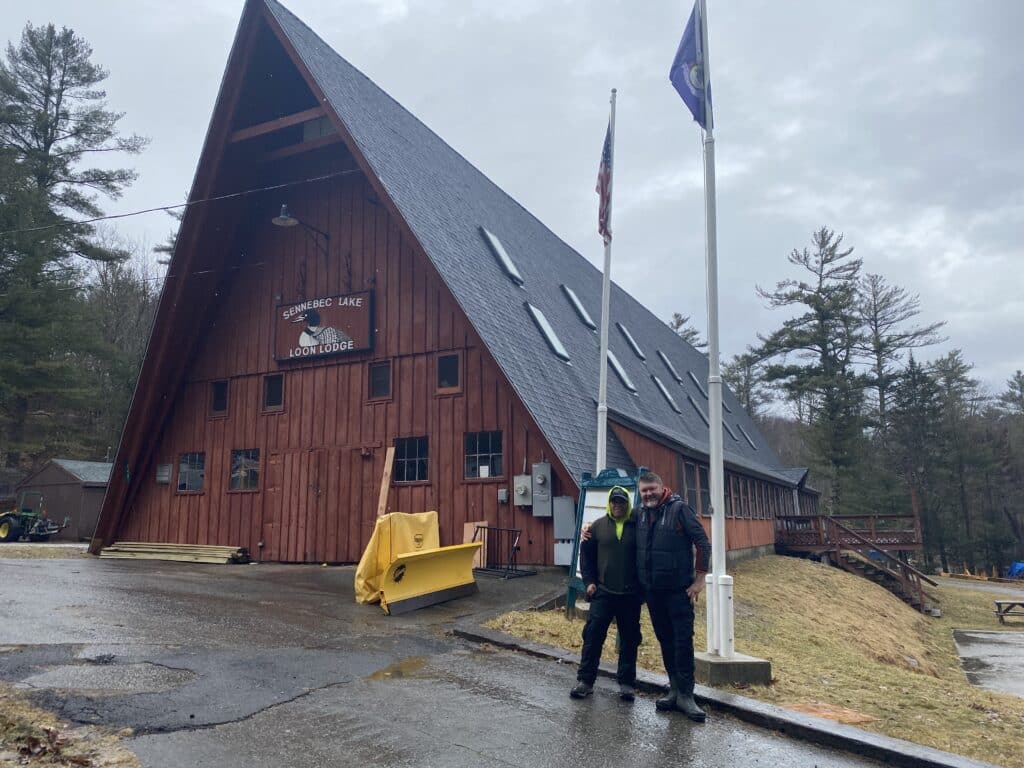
(869, 546)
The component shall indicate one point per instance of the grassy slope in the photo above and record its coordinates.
(841, 640)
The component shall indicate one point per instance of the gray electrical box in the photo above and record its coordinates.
(542, 489)
(564, 513)
(522, 491)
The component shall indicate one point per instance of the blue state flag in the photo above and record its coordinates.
(687, 72)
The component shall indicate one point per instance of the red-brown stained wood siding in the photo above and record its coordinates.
(740, 533)
(321, 458)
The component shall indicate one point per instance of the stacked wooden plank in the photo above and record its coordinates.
(188, 553)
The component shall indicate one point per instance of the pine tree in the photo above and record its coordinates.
(885, 311)
(54, 118)
(813, 355)
(686, 331)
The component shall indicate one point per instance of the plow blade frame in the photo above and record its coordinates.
(418, 579)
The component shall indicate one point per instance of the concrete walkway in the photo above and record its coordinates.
(993, 660)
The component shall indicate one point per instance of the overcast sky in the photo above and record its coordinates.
(896, 123)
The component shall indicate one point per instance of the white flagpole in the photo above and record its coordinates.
(722, 581)
(602, 387)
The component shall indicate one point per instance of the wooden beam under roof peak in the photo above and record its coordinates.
(276, 124)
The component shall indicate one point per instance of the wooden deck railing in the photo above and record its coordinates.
(882, 532)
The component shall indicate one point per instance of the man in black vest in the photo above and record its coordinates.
(667, 533)
(608, 567)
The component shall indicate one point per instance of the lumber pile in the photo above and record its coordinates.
(187, 553)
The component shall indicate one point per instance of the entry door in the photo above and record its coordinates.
(270, 532)
(305, 512)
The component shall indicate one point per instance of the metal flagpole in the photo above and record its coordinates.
(602, 389)
(723, 607)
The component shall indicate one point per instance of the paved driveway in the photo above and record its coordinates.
(277, 666)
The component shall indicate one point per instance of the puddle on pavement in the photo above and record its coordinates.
(110, 678)
(409, 667)
(992, 660)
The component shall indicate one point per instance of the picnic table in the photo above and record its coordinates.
(1006, 608)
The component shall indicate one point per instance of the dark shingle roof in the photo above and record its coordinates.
(86, 471)
(446, 201)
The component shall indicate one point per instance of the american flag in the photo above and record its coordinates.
(604, 189)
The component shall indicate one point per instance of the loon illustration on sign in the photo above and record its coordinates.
(327, 325)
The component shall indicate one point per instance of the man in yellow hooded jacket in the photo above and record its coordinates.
(608, 567)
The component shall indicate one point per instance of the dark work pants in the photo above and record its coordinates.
(625, 609)
(672, 618)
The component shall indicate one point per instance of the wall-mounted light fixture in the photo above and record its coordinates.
(287, 220)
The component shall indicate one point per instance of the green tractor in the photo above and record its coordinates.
(28, 520)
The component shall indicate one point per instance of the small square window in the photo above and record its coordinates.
(218, 398)
(191, 472)
(483, 454)
(380, 380)
(448, 373)
(245, 470)
(273, 392)
(411, 457)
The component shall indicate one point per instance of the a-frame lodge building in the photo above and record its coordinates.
(400, 299)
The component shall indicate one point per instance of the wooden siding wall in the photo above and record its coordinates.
(740, 532)
(65, 496)
(322, 457)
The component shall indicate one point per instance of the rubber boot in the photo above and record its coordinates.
(686, 704)
(668, 701)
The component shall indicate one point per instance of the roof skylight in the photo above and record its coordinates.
(549, 333)
(502, 256)
(742, 430)
(729, 430)
(665, 394)
(671, 368)
(578, 306)
(632, 342)
(613, 361)
(698, 409)
(700, 387)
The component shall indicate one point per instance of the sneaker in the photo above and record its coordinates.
(627, 692)
(582, 690)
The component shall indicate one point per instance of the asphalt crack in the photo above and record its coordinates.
(158, 730)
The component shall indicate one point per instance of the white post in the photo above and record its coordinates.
(602, 388)
(718, 541)
(727, 643)
(712, 613)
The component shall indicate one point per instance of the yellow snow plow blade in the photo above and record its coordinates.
(430, 576)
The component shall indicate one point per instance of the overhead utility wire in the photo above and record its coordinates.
(188, 204)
